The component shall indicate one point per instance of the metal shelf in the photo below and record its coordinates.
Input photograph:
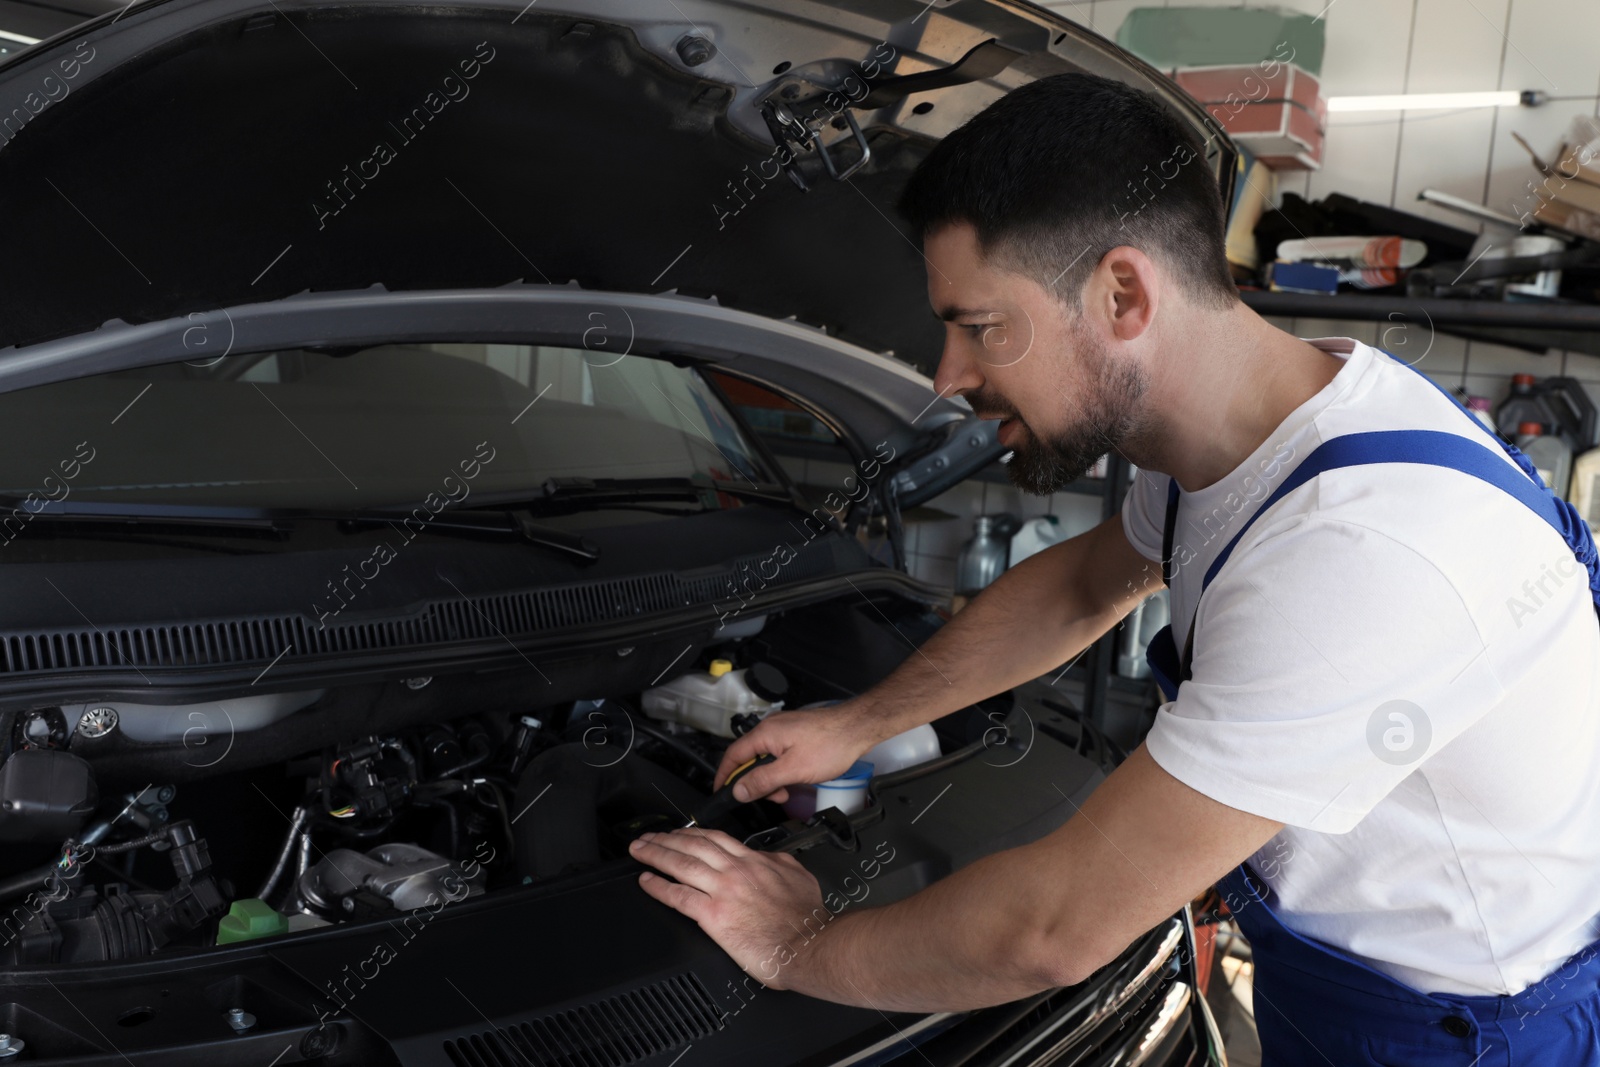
(1534, 326)
(1480, 313)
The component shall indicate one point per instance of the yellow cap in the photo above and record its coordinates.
(719, 667)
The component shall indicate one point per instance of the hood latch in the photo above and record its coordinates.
(789, 129)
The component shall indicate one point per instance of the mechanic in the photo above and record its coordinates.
(1389, 685)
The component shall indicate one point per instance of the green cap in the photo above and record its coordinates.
(249, 919)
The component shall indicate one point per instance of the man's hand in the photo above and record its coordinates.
(814, 745)
(756, 905)
(1032, 619)
(1008, 925)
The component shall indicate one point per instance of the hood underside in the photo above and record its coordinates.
(198, 154)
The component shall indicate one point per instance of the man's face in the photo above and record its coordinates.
(1018, 353)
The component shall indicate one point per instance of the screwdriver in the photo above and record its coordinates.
(723, 801)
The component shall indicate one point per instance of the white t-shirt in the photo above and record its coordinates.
(1402, 664)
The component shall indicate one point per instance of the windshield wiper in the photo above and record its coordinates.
(505, 523)
(221, 519)
(599, 492)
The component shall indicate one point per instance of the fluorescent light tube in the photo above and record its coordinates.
(1424, 101)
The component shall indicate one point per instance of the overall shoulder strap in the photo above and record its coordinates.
(1432, 447)
(1169, 530)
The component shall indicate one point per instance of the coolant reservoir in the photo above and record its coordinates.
(916, 745)
(709, 700)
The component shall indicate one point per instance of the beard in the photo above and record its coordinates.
(1106, 417)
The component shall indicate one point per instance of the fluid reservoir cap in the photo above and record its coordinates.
(767, 682)
(719, 667)
(248, 919)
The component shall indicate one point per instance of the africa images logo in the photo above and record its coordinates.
(1399, 732)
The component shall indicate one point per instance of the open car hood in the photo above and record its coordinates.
(183, 159)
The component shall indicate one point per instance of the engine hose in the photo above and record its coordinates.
(286, 852)
(650, 729)
(505, 816)
(25, 882)
(128, 846)
(472, 763)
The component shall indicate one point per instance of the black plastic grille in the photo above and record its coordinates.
(1077, 1016)
(264, 638)
(613, 1032)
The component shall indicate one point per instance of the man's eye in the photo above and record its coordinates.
(974, 328)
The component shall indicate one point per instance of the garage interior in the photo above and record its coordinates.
(1455, 138)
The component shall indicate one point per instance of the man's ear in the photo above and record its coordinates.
(1126, 289)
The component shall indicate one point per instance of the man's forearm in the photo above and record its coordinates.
(1033, 618)
(968, 941)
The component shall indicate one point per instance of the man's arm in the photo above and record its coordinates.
(1009, 925)
(1032, 619)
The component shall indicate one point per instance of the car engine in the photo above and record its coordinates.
(137, 829)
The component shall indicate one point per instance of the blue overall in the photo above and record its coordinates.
(1315, 1005)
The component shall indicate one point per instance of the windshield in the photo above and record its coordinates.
(383, 426)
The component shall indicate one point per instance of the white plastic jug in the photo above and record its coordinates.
(1036, 535)
(1550, 456)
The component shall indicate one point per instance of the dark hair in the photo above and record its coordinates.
(1058, 172)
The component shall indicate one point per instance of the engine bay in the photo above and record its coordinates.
(136, 829)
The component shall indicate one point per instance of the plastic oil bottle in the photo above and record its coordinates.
(1584, 491)
(1549, 454)
(982, 559)
(1522, 405)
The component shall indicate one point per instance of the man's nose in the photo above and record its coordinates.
(957, 372)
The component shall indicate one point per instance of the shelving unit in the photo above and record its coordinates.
(1533, 326)
(1095, 668)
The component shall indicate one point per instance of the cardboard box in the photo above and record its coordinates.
(1565, 217)
(1578, 162)
(1575, 181)
(1572, 191)
(1276, 110)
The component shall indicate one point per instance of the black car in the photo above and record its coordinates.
(395, 399)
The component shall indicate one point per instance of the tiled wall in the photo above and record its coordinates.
(1389, 46)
